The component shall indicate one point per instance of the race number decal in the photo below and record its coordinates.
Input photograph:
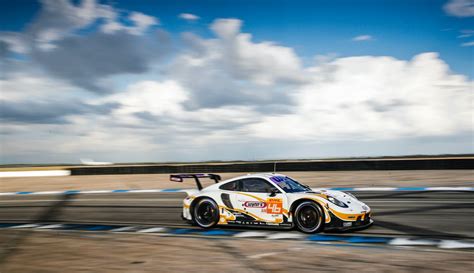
(274, 205)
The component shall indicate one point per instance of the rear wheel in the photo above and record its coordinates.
(206, 213)
(309, 217)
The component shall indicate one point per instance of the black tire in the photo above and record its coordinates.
(308, 217)
(206, 213)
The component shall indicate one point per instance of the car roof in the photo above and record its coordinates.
(265, 176)
(255, 175)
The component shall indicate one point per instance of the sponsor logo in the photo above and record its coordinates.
(254, 204)
(275, 205)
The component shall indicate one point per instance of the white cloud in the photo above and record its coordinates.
(141, 23)
(459, 8)
(468, 43)
(224, 93)
(234, 70)
(25, 85)
(226, 28)
(59, 19)
(15, 41)
(235, 55)
(189, 17)
(466, 33)
(156, 98)
(362, 38)
(376, 98)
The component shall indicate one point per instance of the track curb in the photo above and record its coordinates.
(236, 234)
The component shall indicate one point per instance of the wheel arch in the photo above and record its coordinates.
(295, 204)
(196, 200)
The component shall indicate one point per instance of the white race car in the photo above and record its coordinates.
(270, 199)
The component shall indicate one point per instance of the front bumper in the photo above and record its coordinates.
(338, 224)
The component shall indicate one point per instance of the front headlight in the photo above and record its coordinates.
(337, 202)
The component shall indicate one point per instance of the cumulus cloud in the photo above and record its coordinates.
(377, 98)
(48, 112)
(189, 17)
(226, 93)
(58, 18)
(459, 8)
(14, 42)
(51, 42)
(86, 60)
(349, 99)
(34, 99)
(232, 69)
(148, 100)
(361, 38)
(141, 23)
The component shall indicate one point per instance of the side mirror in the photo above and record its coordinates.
(274, 192)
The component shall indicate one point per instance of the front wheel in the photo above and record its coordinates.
(206, 213)
(309, 217)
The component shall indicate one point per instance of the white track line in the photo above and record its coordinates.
(123, 229)
(252, 234)
(449, 189)
(36, 173)
(150, 230)
(411, 242)
(284, 235)
(25, 226)
(96, 191)
(45, 192)
(51, 226)
(449, 244)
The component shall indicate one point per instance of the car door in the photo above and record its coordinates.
(255, 200)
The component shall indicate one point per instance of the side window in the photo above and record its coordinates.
(256, 185)
(231, 186)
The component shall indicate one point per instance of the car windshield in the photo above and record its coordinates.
(288, 184)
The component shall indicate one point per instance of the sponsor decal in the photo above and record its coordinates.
(254, 204)
(278, 179)
(274, 206)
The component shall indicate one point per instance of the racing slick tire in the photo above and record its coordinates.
(206, 213)
(309, 218)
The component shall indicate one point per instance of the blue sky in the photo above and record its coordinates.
(186, 80)
(399, 28)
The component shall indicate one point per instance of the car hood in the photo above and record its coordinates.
(354, 204)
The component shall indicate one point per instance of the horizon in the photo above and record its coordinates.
(276, 160)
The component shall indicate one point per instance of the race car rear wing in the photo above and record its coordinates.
(196, 176)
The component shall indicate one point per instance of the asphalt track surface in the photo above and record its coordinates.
(443, 215)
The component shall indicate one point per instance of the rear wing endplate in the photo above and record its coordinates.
(196, 176)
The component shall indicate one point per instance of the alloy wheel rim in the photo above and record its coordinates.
(205, 213)
(309, 218)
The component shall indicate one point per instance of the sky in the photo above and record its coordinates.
(156, 81)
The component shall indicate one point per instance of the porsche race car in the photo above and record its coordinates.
(272, 200)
